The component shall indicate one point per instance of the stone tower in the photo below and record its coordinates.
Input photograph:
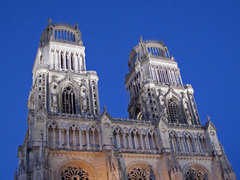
(69, 139)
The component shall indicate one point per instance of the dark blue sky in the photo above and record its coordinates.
(203, 36)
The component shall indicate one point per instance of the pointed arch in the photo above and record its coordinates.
(202, 142)
(53, 133)
(189, 142)
(152, 139)
(174, 140)
(134, 139)
(118, 136)
(93, 132)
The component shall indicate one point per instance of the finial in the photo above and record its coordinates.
(140, 38)
(104, 108)
(49, 21)
(208, 118)
(162, 42)
(76, 26)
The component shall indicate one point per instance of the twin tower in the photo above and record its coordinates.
(68, 138)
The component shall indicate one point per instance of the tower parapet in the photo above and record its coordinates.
(61, 32)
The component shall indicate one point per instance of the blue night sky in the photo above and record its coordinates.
(203, 36)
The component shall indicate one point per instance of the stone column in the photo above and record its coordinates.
(124, 141)
(80, 138)
(94, 140)
(67, 138)
(54, 137)
(60, 137)
(74, 138)
(142, 144)
(88, 141)
(130, 141)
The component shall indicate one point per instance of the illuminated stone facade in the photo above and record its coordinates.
(69, 139)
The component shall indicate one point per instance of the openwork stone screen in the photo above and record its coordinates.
(139, 174)
(194, 174)
(74, 173)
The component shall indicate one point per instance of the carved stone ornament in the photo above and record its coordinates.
(40, 119)
(106, 124)
(212, 133)
(74, 173)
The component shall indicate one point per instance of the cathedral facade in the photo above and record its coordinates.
(68, 138)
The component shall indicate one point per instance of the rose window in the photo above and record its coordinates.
(193, 174)
(139, 174)
(74, 173)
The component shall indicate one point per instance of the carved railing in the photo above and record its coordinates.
(186, 125)
(132, 121)
(192, 153)
(143, 151)
(73, 116)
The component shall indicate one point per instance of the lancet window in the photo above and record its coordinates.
(173, 110)
(118, 138)
(68, 101)
(74, 173)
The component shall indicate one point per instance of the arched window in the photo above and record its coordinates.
(68, 101)
(173, 110)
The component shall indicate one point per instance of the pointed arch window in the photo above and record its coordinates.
(173, 110)
(68, 101)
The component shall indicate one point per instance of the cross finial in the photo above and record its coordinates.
(104, 108)
(140, 38)
(49, 21)
(208, 118)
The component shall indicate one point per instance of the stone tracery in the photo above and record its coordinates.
(195, 174)
(139, 174)
(74, 173)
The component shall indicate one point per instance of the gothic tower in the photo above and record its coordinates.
(155, 86)
(69, 139)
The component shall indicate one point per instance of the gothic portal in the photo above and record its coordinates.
(68, 138)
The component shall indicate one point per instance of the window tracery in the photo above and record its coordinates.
(173, 111)
(74, 173)
(140, 174)
(68, 101)
(194, 174)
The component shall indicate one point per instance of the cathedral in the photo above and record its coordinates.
(68, 138)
